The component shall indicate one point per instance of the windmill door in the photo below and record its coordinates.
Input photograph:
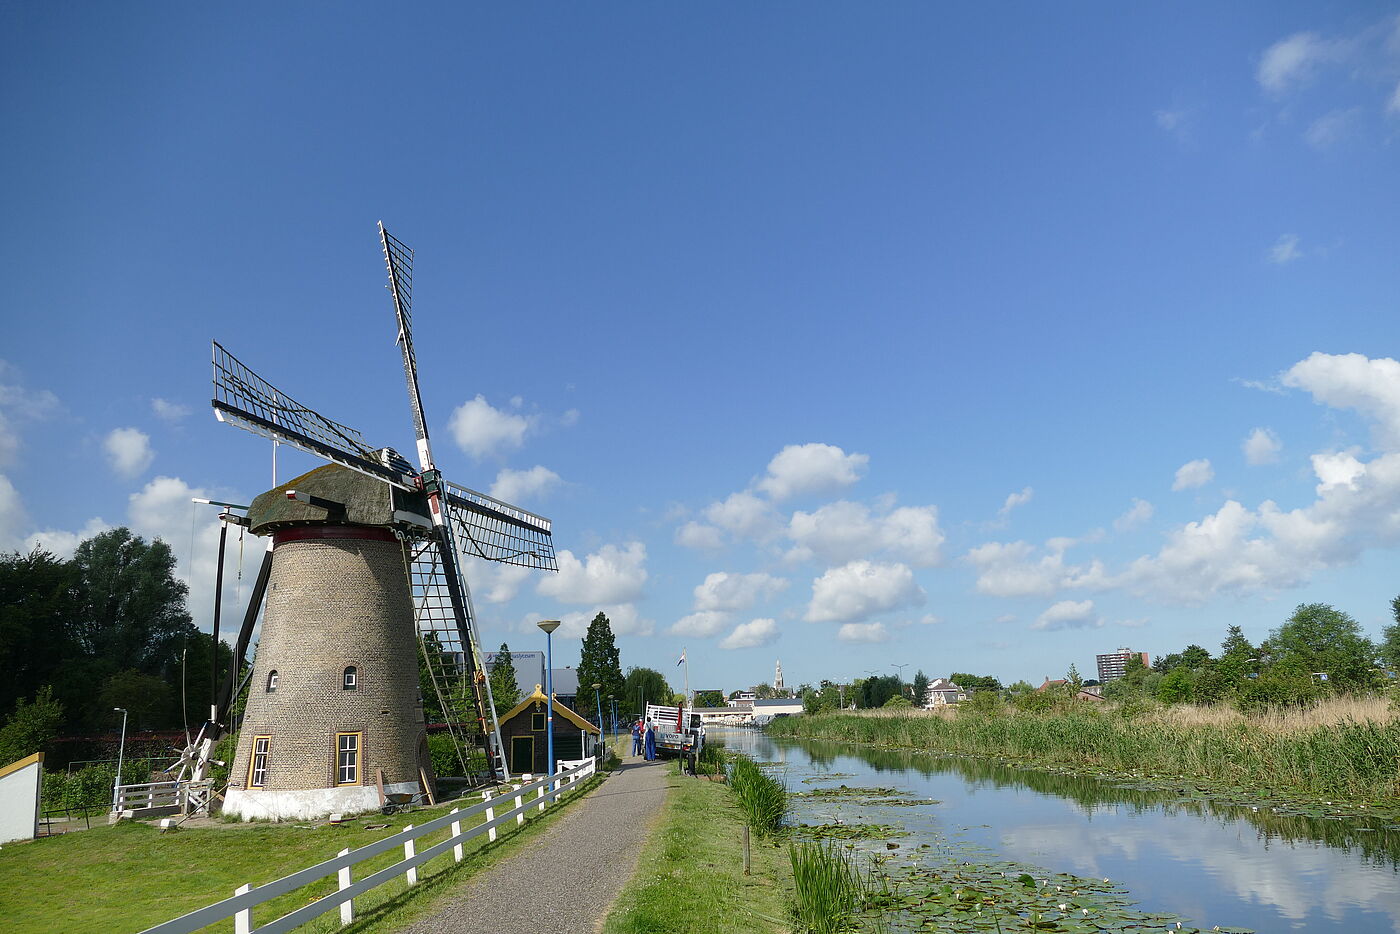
(522, 754)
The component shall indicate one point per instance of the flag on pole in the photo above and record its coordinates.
(681, 661)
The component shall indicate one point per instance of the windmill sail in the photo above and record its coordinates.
(487, 528)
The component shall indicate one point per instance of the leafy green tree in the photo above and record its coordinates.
(920, 687)
(133, 611)
(709, 698)
(763, 691)
(642, 686)
(874, 691)
(145, 698)
(898, 700)
(1176, 686)
(1192, 658)
(974, 683)
(1236, 645)
(1318, 638)
(1073, 682)
(431, 653)
(1015, 689)
(504, 686)
(1389, 649)
(32, 726)
(599, 663)
(39, 598)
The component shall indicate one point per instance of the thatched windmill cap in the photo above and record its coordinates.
(353, 498)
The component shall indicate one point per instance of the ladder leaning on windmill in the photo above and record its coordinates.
(332, 657)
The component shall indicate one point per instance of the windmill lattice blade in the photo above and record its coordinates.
(245, 399)
(441, 638)
(488, 528)
(400, 260)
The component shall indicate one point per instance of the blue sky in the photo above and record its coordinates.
(982, 338)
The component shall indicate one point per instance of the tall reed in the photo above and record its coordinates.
(828, 887)
(1306, 754)
(762, 798)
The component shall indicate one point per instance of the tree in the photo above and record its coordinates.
(39, 596)
(920, 687)
(971, 682)
(1073, 682)
(1389, 649)
(1236, 645)
(763, 691)
(874, 691)
(31, 727)
(145, 698)
(133, 607)
(504, 686)
(642, 686)
(1192, 658)
(709, 698)
(599, 663)
(1175, 687)
(1320, 639)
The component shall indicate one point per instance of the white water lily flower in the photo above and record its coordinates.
(1064, 907)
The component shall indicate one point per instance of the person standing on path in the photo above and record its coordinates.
(637, 738)
(651, 741)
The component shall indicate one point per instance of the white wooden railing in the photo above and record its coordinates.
(147, 795)
(245, 898)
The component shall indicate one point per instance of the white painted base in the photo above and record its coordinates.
(310, 803)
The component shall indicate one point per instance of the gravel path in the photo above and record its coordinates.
(565, 880)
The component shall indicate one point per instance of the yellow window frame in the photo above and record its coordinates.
(359, 750)
(266, 740)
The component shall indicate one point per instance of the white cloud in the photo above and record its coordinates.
(1170, 120)
(1353, 381)
(811, 468)
(1261, 447)
(515, 486)
(1338, 469)
(1069, 614)
(129, 451)
(704, 623)
(494, 581)
(18, 404)
(1016, 499)
(63, 543)
(744, 515)
(751, 635)
(725, 591)
(482, 430)
(623, 619)
(1332, 128)
(1285, 250)
(1138, 513)
(610, 575)
(1292, 62)
(844, 531)
(1193, 474)
(699, 535)
(863, 632)
(860, 589)
(1016, 569)
(929, 619)
(168, 411)
(13, 517)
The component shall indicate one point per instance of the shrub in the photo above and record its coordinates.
(762, 799)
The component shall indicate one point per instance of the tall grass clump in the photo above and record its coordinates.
(762, 798)
(828, 887)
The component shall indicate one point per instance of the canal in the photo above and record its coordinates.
(1233, 865)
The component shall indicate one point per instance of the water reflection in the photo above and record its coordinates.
(1214, 862)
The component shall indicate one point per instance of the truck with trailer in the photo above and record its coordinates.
(679, 732)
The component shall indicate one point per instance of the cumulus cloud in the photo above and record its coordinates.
(1337, 469)
(751, 635)
(863, 632)
(1138, 513)
(1016, 499)
(623, 618)
(1193, 474)
(1261, 447)
(168, 411)
(516, 486)
(699, 535)
(609, 575)
(1069, 614)
(704, 623)
(1019, 569)
(62, 542)
(811, 468)
(1285, 250)
(725, 591)
(744, 515)
(1353, 381)
(19, 404)
(482, 430)
(128, 451)
(13, 518)
(861, 589)
(494, 581)
(844, 531)
(1332, 128)
(1292, 62)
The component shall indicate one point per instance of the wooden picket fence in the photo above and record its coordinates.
(240, 906)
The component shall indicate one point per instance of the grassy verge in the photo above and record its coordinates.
(1310, 756)
(130, 876)
(691, 878)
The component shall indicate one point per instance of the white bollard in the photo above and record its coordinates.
(457, 832)
(519, 800)
(243, 921)
(408, 852)
(490, 818)
(347, 907)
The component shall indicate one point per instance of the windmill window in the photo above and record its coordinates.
(537, 722)
(351, 680)
(257, 768)
(271, 681)
(347, 758)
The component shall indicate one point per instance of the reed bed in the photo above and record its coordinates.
(762, 798)
(1334, 751)
(828, 885)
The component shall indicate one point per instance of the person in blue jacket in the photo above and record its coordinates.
(651, 741)
(637, 738)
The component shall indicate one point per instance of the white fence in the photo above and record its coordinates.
(146, 795)
(246, 898)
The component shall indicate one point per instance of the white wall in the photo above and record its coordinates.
(19, 798)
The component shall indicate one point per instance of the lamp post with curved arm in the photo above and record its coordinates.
(549, 625)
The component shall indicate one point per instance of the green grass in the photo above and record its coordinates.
(828, 884)
(761, 798)
(691, 880)
(1348, 760)
(130, 876)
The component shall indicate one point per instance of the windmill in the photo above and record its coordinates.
(362, 573)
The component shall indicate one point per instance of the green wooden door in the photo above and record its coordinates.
(522, 754)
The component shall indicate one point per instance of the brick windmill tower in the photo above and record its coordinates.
(361, 578)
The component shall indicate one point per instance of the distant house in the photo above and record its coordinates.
(765, 710)
(527, 742)
(1086, 693)
(941, 691)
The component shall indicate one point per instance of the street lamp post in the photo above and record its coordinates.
(549, 625)
(599, 698)
(612, 703)
(121, 748)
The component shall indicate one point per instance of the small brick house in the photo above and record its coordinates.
(523, 733)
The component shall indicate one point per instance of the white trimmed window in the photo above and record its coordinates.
(347, 758)
(271, 681)
(257, 768)
(351, 679)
